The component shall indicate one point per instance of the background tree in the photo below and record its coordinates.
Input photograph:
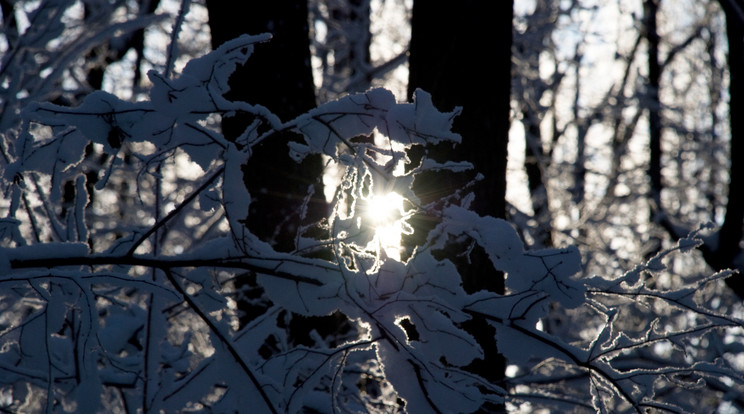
(283, 82)
(529, 87)
(724, 250)
(343, 49)
(450, 64)
(646, 98)
(638, 124)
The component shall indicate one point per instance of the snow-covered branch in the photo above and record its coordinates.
(144, 302)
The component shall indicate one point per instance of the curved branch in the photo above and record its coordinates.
(226, 341)
(175, 211)
(563, 350)
(165, 264)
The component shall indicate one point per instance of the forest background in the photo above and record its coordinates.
(605, 128)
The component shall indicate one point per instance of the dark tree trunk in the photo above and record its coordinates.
(728, 246)
(650, 11)
(539, 32)
(582, 127)
(533, 155)
(653, 104)
(278, 76)
(461, 53)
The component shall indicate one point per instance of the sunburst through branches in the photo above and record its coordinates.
(387, 215)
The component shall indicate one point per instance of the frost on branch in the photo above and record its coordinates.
(139, 310)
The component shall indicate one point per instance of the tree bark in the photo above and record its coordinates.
(728, 246)
(467, 64)
(461, 54)
(278, 76)
(653, 105)
(650, 10)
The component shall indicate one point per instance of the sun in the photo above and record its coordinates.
(386, 215)
(385, 209)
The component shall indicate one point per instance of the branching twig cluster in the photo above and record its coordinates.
(143, 316)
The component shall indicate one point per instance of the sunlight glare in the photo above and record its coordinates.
(387, 216)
